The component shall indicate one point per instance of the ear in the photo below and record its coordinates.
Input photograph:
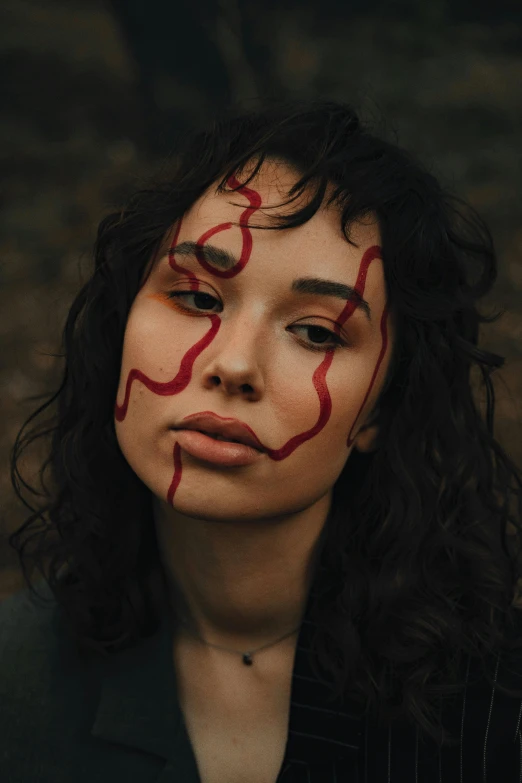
(367, 437)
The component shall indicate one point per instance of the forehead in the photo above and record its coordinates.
(272, 184)
(263, 197)
(271, 187)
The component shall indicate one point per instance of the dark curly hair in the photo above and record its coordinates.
(418, 567)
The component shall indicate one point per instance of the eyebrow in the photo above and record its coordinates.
(302, 285)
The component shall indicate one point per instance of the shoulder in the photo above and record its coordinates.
(33, 636)
(27, 640)
(45, 690)
(23, 611)
(35, 644)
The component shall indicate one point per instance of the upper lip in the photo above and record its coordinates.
(215, 425)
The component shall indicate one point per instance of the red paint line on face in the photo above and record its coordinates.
(255, 202)
(155, 256)
(325, 408)
(180, 382)
(194, 284)
(384, 334)
(184, 374)
(370, 255)
(176, 478)
(319, 377)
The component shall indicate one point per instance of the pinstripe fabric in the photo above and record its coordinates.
(120, 719)
(324, 737)
(334, 743)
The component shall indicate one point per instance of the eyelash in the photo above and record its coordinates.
(338, 342)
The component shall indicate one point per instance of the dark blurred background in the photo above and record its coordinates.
(95, 93)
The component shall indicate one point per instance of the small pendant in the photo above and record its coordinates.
(247, 660)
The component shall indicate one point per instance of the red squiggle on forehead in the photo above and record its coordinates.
(246, 235)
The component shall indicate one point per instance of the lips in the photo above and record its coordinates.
(229, 429)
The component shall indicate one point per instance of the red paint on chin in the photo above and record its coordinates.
(176, 478)
(214, 450)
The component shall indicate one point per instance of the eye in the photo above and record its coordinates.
(178, 294)
(334, 340)
(337, 342)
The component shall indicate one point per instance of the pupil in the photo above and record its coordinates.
(322, 333)
(204, 295)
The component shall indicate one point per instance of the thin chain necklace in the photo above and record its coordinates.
(246, 656)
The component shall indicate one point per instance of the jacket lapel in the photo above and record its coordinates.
(320, 731)
(138, 705)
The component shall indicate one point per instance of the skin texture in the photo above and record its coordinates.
(236, 543)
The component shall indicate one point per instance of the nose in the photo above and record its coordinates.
(236, 360)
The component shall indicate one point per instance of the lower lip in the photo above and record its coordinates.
(217, 451)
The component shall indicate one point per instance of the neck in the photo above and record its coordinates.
(240, 584)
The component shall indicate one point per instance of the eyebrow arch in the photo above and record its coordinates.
(214, 255)
(316, 285)
(302, 285)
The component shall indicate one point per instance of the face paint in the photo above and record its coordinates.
(185, 371)
(318, 378)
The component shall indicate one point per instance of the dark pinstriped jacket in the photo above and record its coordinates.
(63, 721)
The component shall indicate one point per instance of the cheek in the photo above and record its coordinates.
(133, 339)
(141, 353)
(351, 400)
(292, 395)
(148, 345)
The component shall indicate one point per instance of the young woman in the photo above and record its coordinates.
(279, 545)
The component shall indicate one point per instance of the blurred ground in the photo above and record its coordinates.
(72, 142)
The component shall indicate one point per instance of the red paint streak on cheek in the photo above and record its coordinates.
(384, 336)
(325, 408)
(177, 384)
(319, 377)
(184, 374)
(370, 255)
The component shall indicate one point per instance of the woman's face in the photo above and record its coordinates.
(256, 349)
